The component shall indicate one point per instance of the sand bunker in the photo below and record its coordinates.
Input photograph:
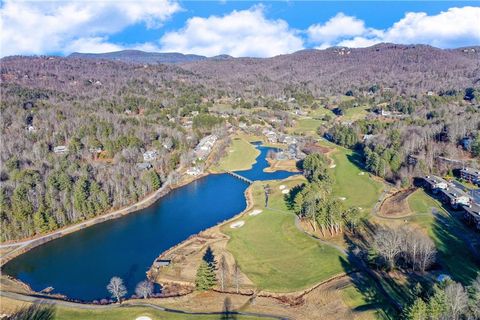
(342, 198)
(282, 187)
(333, 166)
(285, 191)
(255, 212)
(143, 318)
(237, 224)
(361, 173)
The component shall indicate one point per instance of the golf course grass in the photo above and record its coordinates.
(351, 182)
(449, 235)
(306, 125)
(273, 253)
(131, 313)
(240, 156)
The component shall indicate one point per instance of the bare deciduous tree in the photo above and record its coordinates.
(236, 276)
(117, 288)
(144, 289)
(456, 299)
(388, 244)
(222, 272)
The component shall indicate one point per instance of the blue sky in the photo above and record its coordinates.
(238, 28)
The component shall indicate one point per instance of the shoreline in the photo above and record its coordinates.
(24, 245)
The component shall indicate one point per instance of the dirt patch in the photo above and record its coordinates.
(396, 204)
(283, 165)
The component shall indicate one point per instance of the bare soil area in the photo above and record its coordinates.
(396, 205)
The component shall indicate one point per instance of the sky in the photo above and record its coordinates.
(236, 28)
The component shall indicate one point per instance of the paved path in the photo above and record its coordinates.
(129, 304)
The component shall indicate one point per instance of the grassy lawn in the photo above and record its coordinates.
(240, 156)
(320, 112)
(306, 126)
(273, 253)
(352, 114)
(448, 234)
(131, 313)
(351, 182)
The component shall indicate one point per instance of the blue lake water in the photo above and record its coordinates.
(80, 265)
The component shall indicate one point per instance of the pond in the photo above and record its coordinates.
(80, 265)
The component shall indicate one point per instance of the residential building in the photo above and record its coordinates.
(60, 149)
(205, 146)
(194, 171)
(144, 165)
(471, 175)
(434, 183)
(455, 197)
(150, 155)
(472, 214)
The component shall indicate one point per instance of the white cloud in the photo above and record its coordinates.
(62, 26)
(338, 27)
(240, 33)
(452, 28)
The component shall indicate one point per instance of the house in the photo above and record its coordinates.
(150, 155)
(288, 140)
(31, 128)
(95, 150)
(367, 137)
(471, 175)
(434, 183)
(194, 171)
(413, 159)
(205, 146)
(472, 214)
(242, 125)
(270, 135)
(158, 263)
(60, 149)
(455, 197)
(466, 143)
(144, 165)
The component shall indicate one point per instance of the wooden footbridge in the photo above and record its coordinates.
(236, 175)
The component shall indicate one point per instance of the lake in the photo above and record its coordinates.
(80, 265)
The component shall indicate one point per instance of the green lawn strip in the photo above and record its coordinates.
(352, 114)
(131, 313)
(240, 156)
(274, 254)
(306, 125)
(455, 257)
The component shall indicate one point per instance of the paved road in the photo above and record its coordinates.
(68, 304)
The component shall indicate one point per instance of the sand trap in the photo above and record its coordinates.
(285, 191)
(237, 224)
(342, 198)
(360, 208)
(255, 212)
(282, 187)
(143, 318)
(361, 173)
(333, 166)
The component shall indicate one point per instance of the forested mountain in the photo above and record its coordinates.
(108, 113)
(137, 56)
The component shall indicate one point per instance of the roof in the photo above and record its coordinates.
(434, 180)
(472, 171)
(454, 193)
(473, 209)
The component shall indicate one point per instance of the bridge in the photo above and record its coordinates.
(236, 175)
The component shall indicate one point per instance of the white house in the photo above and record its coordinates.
(60, 149)
(150, 155)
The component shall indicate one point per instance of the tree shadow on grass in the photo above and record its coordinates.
(228, 313)
(290, 197)
(209, 257)
(356, 158)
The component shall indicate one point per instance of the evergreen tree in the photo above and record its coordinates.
(437, 305)
(155, 181)
(417, 311)
(21, 206)
(206, 278)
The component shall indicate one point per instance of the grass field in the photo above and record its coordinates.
(352, 114)
(449, 236)
(306, 126)
(240, 156)
(351, 182)
(131, 313)
(273, 253)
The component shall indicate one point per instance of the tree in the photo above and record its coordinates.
(456, 299)
(426, 252)
(417, 311)
(222, 272)
(144, 289)
(236, 276)
(437, 303)
(469, 94)
(205, 279)
(117, 288)
(388, 244)
(155, 181)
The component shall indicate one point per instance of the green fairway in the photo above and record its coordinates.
(273, 253)
(449, 236)
(353, 114)
(351, 182)
(240, 156)
(131, 313)
(306, 125)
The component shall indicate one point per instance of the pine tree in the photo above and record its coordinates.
(437, 305)
(205, 276)
(155, 181)
(417, 311)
